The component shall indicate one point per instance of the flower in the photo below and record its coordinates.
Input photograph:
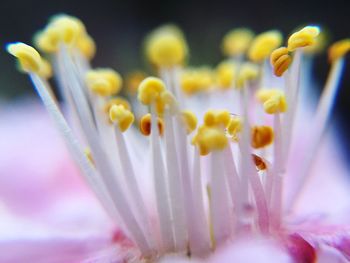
(227, 190)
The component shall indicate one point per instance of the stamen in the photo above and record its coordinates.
(324, 109)
(301, 39)
(175, 186)
(195, 80)
(262, 136)
(116, 101)
(44, 92)
(263, 45)
(124, 119)
(202, 238)
(149, 92)
(248, 72)
(28, 58)
(190, 120)
(166, 47)
(280, 60)
(236, 42)
(220, 208)
(226, 73)
(145, 125)
(104, 82)
(304, 37)
(259, 162)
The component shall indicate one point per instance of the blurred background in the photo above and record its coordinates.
(119, 27)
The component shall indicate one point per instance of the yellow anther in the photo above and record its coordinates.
(234, 127)
(61, 29)
(89, 156)
(275, 104)
(217, 118)
(145, 125)
(194, 80)
(45, 70)
(237, 41)
(190, 120)
(247, 72)
(117, 101)
(321, 42)
(104, 81)
(68, 27)
(339, 49)
(87, 46)
(29, 59)
(259, 162)
(263, 95)
(169, 101)
(210, 139)
(150, 90)
(223, 118)
(133, 81)
(123, 117)
(226, 73)
(261, 136)
(209, 118)
(166, 47)
(303, 38)
(264, 44)
(280, 60)
(274, 100)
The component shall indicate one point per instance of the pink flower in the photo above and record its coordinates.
(254, 182)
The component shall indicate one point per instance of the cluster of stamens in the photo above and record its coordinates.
(215, 172)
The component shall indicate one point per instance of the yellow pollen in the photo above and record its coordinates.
(145, 125)
(273, 100)
(87, 46)
(29, 59)
(234, 127)
(194, 80)
(339, 49)
(226, 73)
(321, 42)
(237, 41)
(104, 81)
(61, 29)
(169, 101)
(123, 117)
(190, 120)
(45, 70)
(264, 44)
(166, 47)
(275, 104)
(217, 118)
(117, 101)
(263, 95)
(303, 38)
(262, 136)
(247, 72)
(280, 60)
(150, 89)
(210, 139)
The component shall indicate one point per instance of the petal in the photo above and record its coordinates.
(326, 254)
(251, 251)
(35, 166)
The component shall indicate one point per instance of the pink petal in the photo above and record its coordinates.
(251, 251)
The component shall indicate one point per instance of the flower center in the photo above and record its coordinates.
(203, 178)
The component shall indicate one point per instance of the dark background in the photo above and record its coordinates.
(118, 28)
